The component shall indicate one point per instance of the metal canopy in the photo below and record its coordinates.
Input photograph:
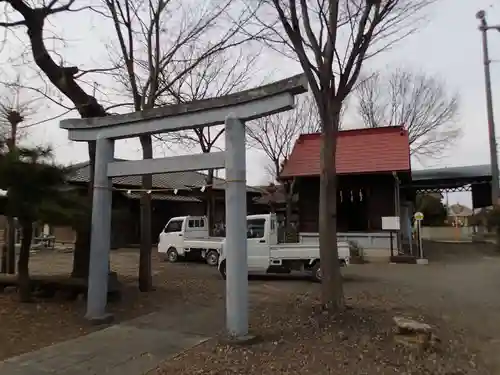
(450, 179)
(464, 172)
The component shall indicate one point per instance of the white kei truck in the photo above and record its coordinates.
(188, 235)
(265, 254)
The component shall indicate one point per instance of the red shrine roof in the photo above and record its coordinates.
(372, 150)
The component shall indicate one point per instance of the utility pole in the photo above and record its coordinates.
(483, 27)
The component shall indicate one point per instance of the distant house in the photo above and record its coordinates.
(459, 214)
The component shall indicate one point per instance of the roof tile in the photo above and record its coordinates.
(169, 181)
(371, 150)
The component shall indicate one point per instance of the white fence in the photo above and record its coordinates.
(447, 233)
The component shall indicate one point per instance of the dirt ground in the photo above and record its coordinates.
(457, 293)
(27, 327)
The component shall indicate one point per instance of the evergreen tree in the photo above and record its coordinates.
(36, 191)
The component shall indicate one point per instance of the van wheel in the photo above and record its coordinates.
(316, 273)
(222, 269)
(212, 258)
(172, 255)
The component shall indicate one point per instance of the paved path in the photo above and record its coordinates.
(130, 348)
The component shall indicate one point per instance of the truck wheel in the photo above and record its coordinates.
(172, 255)
(316, 272)
(222, 270)
(212, 258)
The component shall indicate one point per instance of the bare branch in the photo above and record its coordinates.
(217, 75)
(418, 102)
(82, 72)
(276, 134)
(62, 77)
(12, 24)
(18, 112)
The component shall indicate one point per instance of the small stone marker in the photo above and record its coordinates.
(409, 325)
(413, 334)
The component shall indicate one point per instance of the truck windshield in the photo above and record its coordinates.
(255, 228)
(174, 226)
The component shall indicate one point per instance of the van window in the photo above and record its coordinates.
(272, 224)
(191, 223)
(255, 228)
(174, 226)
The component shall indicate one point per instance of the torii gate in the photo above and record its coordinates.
(232, 110)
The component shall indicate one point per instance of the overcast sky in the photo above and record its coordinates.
(449, 47)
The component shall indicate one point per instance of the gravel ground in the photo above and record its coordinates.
(298, 341)
(27, 327)
(457, 294)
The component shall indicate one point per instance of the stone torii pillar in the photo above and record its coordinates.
(100, 240)
(236, 229)
(233, 111)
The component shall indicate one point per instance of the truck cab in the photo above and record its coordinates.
(179, 229)
(263, 228)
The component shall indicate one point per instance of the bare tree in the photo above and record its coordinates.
(276, 134)
(222, 73)
(160, 44)
(417, 101)
(331, 39)
(33, 17)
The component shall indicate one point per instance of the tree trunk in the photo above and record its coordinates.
(11, 224)
(81, 253)
(210, 200)
(331, 283)
(11, 245)
(3, 268)
(23, 276)
(145, 277)
(63, 78)
(289, 204)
